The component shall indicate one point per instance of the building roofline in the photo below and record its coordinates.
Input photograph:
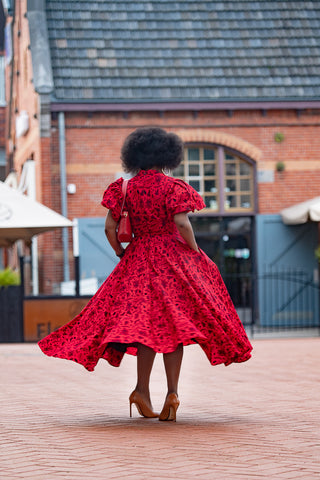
(57, 106)
(40, 49)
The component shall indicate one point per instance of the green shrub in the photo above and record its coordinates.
(278, 137)
(280, 167)
(9, 277)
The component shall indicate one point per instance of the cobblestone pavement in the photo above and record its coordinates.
(257, 420)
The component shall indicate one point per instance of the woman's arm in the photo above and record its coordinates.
(110, 231)
(185, 229)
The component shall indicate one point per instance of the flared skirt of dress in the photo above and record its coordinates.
(161, 294)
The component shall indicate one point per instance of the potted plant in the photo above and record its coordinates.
(9, 277)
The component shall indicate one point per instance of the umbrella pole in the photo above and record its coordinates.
(21, 264)
(75, 238)
(77, 275)
(63, 194)
(35, 266)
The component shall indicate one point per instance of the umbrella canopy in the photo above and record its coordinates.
(21, 218)
(302, 212)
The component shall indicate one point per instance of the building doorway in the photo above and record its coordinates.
(229, 242)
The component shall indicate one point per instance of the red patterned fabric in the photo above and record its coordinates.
(162, 293)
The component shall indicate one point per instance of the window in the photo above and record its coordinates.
(2, 82)
(223, 179)
(2, 164)
(237, 184)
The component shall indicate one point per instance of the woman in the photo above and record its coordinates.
(164, 293)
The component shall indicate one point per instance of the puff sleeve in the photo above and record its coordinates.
(113, 198)
(183, 198)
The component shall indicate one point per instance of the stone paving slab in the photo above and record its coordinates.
(252, 421)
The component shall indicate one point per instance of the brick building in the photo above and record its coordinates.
(2, 96)
(238, 81)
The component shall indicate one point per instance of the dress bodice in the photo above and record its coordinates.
(152, 200)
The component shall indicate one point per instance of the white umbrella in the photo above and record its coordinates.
(302, 212)
(21, 218)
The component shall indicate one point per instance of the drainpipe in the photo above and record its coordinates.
(63, 192)
(10, 113)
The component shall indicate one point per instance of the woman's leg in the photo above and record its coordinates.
(145, 361)
(172, 363)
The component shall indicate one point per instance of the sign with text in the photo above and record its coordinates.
(43, 316)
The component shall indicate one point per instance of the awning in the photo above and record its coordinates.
(302, 212)
(21, 218)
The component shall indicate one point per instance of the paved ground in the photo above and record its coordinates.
(258, 420)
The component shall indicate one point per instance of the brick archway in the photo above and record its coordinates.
(221, 138)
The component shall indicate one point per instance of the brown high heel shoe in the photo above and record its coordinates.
(141, 405)
(170, 408)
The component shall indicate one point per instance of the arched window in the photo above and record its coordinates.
(224, 179)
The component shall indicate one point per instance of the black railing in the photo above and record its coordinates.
(11, 314)
(288, 298)
(277, 299)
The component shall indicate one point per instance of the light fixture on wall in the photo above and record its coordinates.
(71, 188)
(22, 124)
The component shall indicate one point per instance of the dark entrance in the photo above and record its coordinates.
(228, 241)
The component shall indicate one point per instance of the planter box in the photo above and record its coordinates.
(11, 314)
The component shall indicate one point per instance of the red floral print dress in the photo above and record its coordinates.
(162, 293)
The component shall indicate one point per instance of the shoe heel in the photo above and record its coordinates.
(172, 414)
(169, 411)
(142, 408)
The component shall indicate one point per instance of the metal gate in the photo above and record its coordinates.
(289, 299)
(97, 259)
(287, 276)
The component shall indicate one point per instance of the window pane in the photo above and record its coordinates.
(230, 202)
(205, 224)
(194, 170)
(211, 202)
(244, 185)
(245, 201)
(244, 169)
(195, 184)
(201, 171)
(230, 169)
(179, 171)
(209, 169)
(208, 154)
(230, 186)
(193, 154)
(239, 227)
(210, 186)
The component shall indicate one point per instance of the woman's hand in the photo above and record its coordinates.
(110, 229)
(185, 229)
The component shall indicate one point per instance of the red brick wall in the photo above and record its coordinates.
(24, 97)
(93, 149)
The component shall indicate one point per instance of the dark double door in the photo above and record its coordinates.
(228, 241)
